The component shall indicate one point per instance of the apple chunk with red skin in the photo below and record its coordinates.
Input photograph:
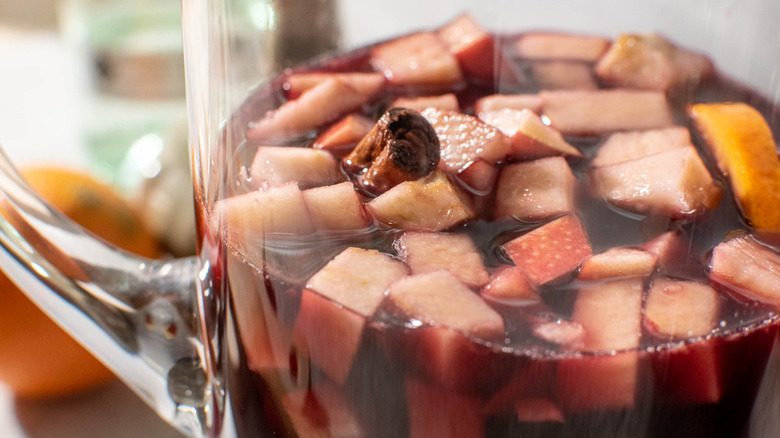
(447, 102)
(543, 45)
(418, 59)
(618, 262)
(428, 204)
(346, 132)
(748, 269)
(509, 284)
(427, 252)
(472, 46)
(368, 84)
(321, 410)
(675, 184)
(335, 207)
(611, 315)
(535, 190)
(625, 146)
(531, 102)
(451, 316)
(530, 137)
(274, 165)
(335, 304)
(678, 310)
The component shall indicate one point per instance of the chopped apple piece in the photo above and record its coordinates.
(675, 183)
(323, 103)
(550, 251)
(279, 209)
(428, 252)
(367, 84)
(428, 204)
(741, 141)
(626, 146)
(530, 137)
(532, 102)
(471, 45)
(618, 262)
(509, 284)
(747, 268)
(464, 139)
(603, 111)
(560, 331)
(335, 207)
(538, 410)
(436, 412)
(611, 313)
(336, 303)
(671, 248)
(321, 410)
(479, 177)
(346, 132)
(535, 190)
(563, 75)
(417, 59)
(275, 165)
(561, 46)
(691, 373)
(677, 310)
(443, 102)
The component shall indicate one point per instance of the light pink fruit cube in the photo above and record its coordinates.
(747, 268)
(335, 304)
(678, 310)
(632, 62)
(671, 249)
(532, 102)
(538, 410)
(335, 207)
(560, 332)
(550, 251)
(535, 190)
(479, 177)
(426, 252)
(428, 204)
(618, 262)
(443, 102)
(626, 146)
(346, 132)
(275, 165)
(509, 284)
(418, 59)
(471, 45)
(675, 183)
(321, 410)
(367, 84)
(598, 112)
(325, 102)
(277, 210)
(611, 314)
(530, 137)
(464, 139)
(561, 46)
(436, 412)
(563, 75)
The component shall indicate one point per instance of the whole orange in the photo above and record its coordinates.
(37, 358)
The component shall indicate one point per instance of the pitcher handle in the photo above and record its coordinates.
(139, 316)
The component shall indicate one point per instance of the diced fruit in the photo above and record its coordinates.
(676, 309)
(670, 248)
(402, 146)
(335, 207)
(604, 111)
(417, 59)
(675, 183)
(428, 204)
(741, 141)
(532, 102)
(626, 146)
(321, 411)
(563, 75)
(747, 268)
(535, 190)
(561, 46)
(279, 209)
(531, 380)
(550, 251)
(691, 373)
(611, 314)
(560, 332)
(479, 177)
(323, 103)
(508, 284)
(471, 45)
(538, 410)
(440, 299)
(443, 102)
(367, 84)
(456, 253)
(346, 132)
(464, 139)
(530, 137)
(435, 412)
(618, 262)
(275, 165)
(336, 303)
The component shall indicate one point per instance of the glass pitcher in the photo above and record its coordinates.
(326, 301)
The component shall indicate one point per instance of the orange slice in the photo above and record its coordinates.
(741, 142)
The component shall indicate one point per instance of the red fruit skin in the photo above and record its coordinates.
(508, 284)
(472, 46)
(435, 412)
(480, 177)
(321, 410)
(343, 135)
